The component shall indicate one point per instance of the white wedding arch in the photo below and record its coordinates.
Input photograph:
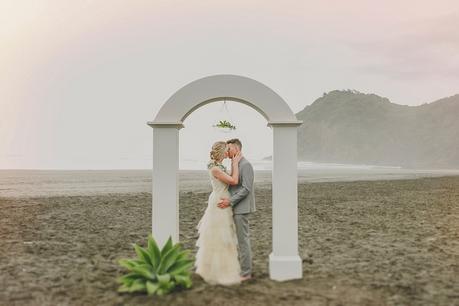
(284, 261)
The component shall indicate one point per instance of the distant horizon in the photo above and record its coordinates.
(313, 165)
(187, 122)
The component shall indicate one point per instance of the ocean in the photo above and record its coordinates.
(192, 177)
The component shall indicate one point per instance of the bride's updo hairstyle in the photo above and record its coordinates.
(218, 150)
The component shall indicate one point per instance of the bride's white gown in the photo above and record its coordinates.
(217, 257)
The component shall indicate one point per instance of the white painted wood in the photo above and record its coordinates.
(165, 193)
(230, 87)
(284, 262)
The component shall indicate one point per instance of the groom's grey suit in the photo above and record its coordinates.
(243, 203)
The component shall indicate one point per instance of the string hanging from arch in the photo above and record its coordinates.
(225, 124)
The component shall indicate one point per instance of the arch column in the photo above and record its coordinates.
(165, 192)
(284, 261)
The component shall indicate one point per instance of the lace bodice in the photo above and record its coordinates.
(217, 185)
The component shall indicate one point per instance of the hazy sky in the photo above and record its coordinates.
(80, 79)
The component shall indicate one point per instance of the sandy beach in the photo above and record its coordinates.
(367, 242)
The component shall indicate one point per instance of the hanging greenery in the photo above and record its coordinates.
(225, 124)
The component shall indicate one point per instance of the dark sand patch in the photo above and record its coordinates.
(363, 243)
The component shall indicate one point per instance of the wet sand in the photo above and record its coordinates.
(387, 242)
(46, 183)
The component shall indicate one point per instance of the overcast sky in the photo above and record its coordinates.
(80, 79)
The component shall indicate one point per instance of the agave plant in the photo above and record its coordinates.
(156, 271)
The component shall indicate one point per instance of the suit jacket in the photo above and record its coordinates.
(242, 195)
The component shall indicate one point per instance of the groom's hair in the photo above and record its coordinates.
(236, 142)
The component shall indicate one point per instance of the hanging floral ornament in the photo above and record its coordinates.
(225, 125)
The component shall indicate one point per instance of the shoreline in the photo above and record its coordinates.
(44, 183)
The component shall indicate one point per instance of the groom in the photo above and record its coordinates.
(242, 201)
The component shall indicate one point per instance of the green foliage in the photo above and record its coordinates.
(225, 124)
(156, 271)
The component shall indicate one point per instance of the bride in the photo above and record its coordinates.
(217, 256)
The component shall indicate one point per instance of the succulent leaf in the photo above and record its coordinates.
(156, 271)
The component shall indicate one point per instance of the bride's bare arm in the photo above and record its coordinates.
(222, 176)
(225, 178)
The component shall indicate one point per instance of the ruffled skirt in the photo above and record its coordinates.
(217, 257)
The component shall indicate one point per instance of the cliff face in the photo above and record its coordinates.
(352, 127)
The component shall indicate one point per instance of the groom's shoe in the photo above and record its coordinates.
(247, 277)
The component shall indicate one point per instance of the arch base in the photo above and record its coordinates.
(282, 268)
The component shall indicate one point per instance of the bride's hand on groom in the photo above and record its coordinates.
(223, 203)
(236, 158)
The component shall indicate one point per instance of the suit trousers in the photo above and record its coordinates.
(243, 236)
